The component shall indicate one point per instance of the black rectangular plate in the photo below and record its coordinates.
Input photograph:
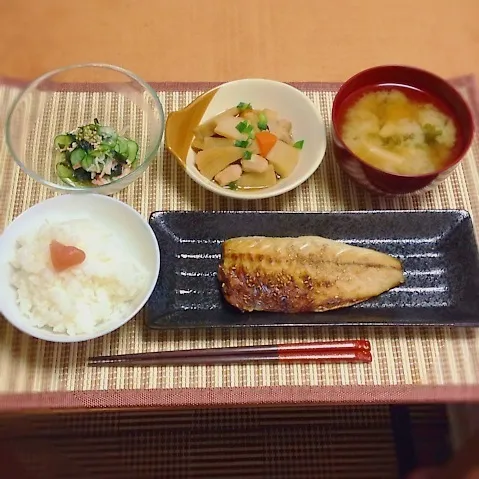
(437, 248)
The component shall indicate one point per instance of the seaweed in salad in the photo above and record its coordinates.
(94, 155)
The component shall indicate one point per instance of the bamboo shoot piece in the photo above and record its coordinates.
(284, 158)
(253, 147)
(210, 162)
(216, 142)
(271, 115)
(258, 180)
(227, 127)
(208, 127)
(198, 143)
(252, 117)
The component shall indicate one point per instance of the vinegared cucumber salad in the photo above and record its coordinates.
(94, 155)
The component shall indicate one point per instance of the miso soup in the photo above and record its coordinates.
(398, 133)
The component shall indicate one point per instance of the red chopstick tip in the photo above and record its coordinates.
(364, 356)
(363, 344)
(332, 356)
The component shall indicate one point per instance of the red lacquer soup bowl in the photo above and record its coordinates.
(418, 83)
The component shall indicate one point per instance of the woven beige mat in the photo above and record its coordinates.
(409, 363)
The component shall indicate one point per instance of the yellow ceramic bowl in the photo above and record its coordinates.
(289, 102)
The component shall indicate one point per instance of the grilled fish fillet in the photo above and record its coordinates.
(304, 274)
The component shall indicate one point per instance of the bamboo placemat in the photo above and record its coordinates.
(367, 442)
(410, 364)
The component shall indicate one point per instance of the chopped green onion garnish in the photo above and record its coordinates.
(247, 155)
(244, 106)
(244, 127)
(242, 143)
(241, 126)
(299, 144)
(233, 185)
(262, 122)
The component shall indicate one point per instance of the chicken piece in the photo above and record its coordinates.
(282, 129)
(256, 164)
(229, 175)
(304, 274)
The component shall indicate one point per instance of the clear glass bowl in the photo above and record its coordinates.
(72, 96)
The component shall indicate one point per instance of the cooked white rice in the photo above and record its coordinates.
(79, 299)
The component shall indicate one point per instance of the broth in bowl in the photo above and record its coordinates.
(399, 130)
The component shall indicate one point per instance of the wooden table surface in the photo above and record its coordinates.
(187, 40)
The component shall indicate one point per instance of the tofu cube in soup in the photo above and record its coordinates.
(256, 164)
(284, 158)
(210, 162)
(229, 175)
(258, 180)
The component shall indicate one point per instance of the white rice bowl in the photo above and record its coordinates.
(89, 300)
(77, 300)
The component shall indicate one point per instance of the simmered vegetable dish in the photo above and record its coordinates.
(246, 148)
(94, 155)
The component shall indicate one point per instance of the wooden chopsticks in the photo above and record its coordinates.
(355, 351)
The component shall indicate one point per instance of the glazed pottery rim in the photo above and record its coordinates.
(450, 165)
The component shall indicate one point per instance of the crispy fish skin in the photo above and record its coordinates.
(304, 274)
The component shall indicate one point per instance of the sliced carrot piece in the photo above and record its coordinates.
(266, 141)
(64, 257)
